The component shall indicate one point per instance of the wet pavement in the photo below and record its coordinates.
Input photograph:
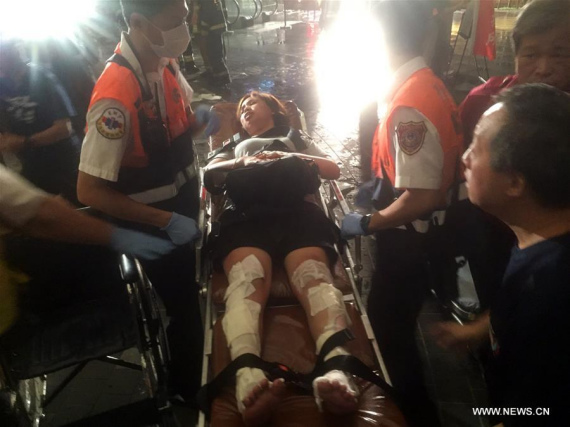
(258, 60)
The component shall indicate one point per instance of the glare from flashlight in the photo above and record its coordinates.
(351, 67)
(41, 19)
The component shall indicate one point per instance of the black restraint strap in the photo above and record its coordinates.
(349, 364)
(356, 367)
(338, 339)
(228, 144)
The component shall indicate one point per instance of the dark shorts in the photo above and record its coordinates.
(278, 234)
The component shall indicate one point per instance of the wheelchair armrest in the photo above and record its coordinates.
(129, 268)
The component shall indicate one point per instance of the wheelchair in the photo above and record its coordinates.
(76, 332)
(286, 341)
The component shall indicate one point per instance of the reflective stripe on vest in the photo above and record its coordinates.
(166, 191)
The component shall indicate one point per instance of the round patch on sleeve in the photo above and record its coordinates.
(411, 136)
(111, 124)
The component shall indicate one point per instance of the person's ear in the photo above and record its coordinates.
(138, 22)
(516, 185)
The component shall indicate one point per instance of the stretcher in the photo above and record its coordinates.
(286, 341)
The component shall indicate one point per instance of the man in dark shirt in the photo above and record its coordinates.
(541, 44)
(517, 169)
(36, 125)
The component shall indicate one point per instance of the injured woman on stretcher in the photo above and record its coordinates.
(268, 217)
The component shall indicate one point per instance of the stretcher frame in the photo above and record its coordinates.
(332, 201)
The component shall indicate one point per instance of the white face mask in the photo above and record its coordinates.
(175, 42)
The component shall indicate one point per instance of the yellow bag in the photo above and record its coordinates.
(9, 280)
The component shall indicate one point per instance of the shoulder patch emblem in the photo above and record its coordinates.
(111, 124)
(411, 136)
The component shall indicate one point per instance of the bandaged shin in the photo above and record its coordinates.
(308, 271)
(241, 322)
(327, 297)
(322, 297)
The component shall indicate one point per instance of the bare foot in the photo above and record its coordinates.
(261, 401)
(336, 395)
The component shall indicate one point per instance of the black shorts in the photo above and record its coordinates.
(278, 234)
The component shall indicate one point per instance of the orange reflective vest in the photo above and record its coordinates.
(426, 93)
(159, 158)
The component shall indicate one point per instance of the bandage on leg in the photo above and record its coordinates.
(338, 389)
(335, 387)
(241, 322)
(308, 271)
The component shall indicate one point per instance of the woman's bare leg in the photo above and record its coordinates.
(249, 275)
(312, 284)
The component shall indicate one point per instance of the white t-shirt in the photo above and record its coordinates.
(102, 154)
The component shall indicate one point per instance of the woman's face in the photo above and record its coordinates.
(255, 116)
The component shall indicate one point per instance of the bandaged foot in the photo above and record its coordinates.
(336, 392)
(260, 398)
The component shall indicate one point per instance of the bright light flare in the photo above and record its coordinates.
(42, 19)
(351, 67)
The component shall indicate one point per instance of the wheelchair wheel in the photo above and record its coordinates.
(32, 393)
(152, 337)
(22, 405)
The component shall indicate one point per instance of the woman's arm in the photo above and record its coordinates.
(327, 168)
(215, 173)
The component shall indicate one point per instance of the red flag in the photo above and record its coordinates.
(484, 34)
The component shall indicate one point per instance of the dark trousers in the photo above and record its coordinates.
(216, 52)
(399, 287)
(212, 25)
(173, 276)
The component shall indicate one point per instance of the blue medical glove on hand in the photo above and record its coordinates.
(351, 226)
(139, 244)
(208, 118)
(182, 229)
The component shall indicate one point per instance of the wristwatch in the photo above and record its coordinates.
(365, 223)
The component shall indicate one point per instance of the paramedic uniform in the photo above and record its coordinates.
(416, 146)
(139, 140)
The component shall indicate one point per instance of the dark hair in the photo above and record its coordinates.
(538, 17)
(535, 141)
(280, 117)
(147, 8)
(403, 23)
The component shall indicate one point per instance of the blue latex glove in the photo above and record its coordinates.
(139, 244)
(182, 229)
(208, 118)
(351, 227)
(363, 198)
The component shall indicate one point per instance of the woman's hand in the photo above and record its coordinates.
(272, 155)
